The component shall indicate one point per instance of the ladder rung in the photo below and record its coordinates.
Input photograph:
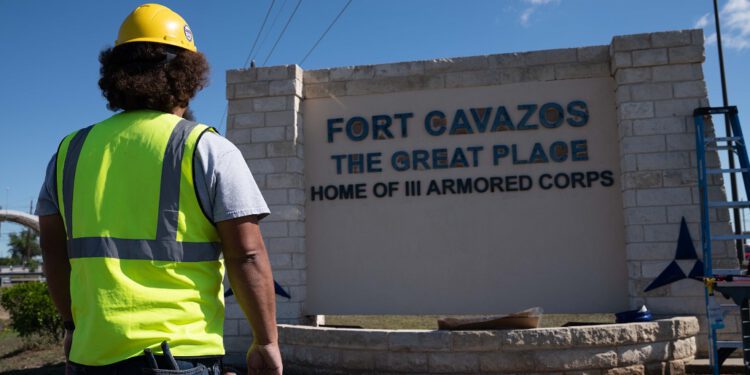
(727, 271)
(732, 170)
(703, 111)
(730, 237)
(729, 344)
(720, 148)
(722, 204)
(722, 139)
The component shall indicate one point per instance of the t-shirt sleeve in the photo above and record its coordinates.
(225, 186)
(46, 204)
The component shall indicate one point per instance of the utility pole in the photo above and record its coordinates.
(737, 218)
(5, 207)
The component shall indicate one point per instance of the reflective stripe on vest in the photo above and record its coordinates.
(164, 247)
(145, 260)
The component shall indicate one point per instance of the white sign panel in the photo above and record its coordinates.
(465, 201)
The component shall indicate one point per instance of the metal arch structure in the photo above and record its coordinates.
(30, 221)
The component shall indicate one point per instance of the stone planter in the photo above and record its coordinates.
(658, 347)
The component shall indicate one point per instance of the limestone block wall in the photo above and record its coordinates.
(659, 84)
(265, 124)
(654, 348)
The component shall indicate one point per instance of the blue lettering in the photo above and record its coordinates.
(558, 151)
(481, 117)
(498, 152)
(461, 124)
(332, 129)
(514, 149)
(404, 117)
(357, 128)
(551, 115)
(580, 111)
(439, 158)
(338, 159)
(580, 150)
(400, 161)
(356, 163)
(538, 155)
(435, 123)
(502, 120)
(459, 159)
(475, 154)
(373, 162)
(380, 124)
(421, 160)
(530, 110)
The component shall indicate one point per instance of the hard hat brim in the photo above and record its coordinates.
(160, 41)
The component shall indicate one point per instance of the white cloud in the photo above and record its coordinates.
(703, 21)
(541, 2)
(735, 25)
(525, 16)
(736, 21)
(711, 39)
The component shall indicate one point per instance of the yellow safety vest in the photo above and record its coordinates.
(145, 259)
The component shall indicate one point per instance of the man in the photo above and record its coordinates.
(136, 211)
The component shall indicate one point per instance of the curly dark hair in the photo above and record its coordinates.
(155, 76)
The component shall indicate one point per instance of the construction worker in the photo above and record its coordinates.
(137, 210)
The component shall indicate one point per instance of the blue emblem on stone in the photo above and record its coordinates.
(685, 264)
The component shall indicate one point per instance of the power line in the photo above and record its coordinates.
(325, 32)
(270, 30)
(268, 13)
(247, 60)
(299, 2)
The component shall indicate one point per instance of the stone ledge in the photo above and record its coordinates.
(484, 70)
(611, 348)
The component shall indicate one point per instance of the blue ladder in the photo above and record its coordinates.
(724, 281)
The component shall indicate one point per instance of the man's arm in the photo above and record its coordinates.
(56, 264)
(249, 272)
(53, 241)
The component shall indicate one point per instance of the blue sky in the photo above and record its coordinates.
(49, 52)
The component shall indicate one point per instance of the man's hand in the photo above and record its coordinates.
(264, 359)
(68, 342)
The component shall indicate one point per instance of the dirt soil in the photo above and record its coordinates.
(3, 314)
(32, 356)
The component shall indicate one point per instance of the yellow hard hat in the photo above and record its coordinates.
(157, 24)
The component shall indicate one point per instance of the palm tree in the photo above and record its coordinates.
(24, 245)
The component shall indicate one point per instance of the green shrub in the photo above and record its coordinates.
(31, 310)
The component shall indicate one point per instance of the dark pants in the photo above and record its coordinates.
(138, 365)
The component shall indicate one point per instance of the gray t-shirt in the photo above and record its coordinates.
(225, 186)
